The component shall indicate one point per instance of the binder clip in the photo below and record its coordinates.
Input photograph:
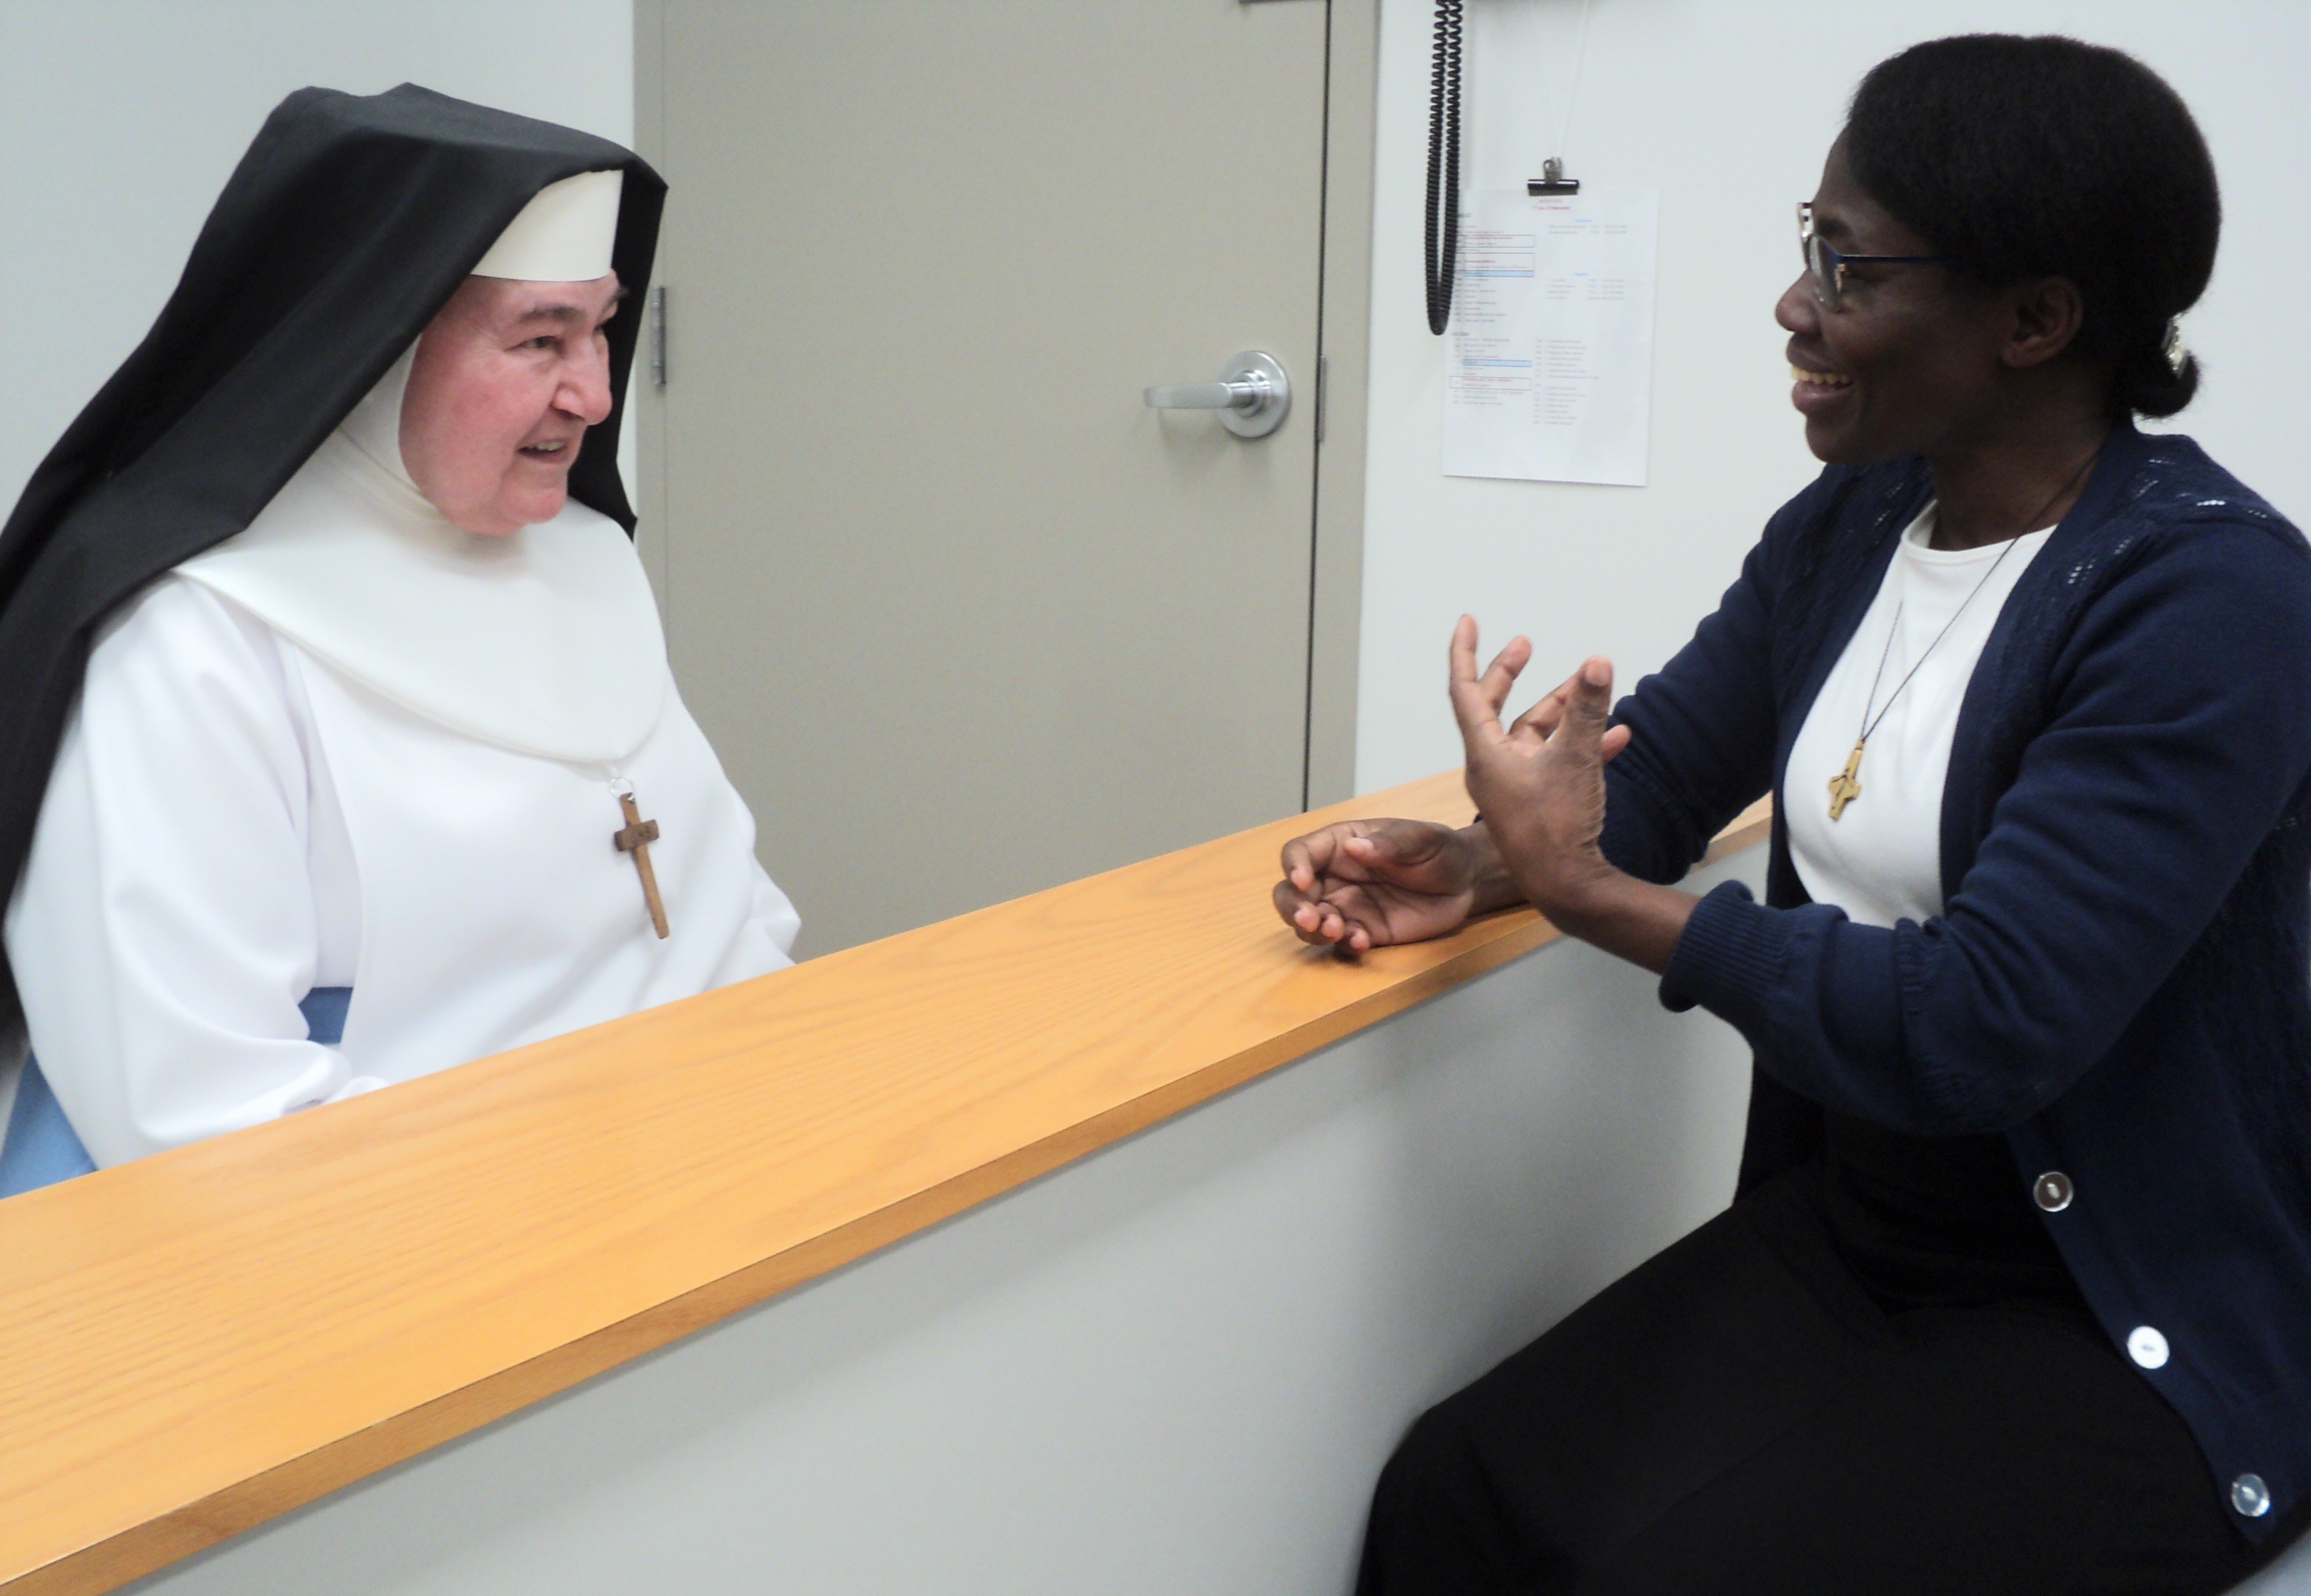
(1552, 180)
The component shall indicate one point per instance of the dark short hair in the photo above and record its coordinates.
(2047, 157)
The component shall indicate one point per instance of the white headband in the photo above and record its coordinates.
(562, 235)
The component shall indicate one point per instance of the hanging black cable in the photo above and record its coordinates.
(1443, 236)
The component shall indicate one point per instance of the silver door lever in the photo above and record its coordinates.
(1253, 395)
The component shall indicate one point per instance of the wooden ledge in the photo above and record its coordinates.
(197, 1341)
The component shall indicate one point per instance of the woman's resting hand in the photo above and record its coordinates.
(1365, 884)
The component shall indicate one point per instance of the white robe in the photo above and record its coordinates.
(354, 746)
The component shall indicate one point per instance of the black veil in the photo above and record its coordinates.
(348, 223)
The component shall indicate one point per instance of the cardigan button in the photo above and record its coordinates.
(2250, 1497)
(2052, 1191)
(2147, 1348)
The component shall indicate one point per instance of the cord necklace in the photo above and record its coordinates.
(1846, 785)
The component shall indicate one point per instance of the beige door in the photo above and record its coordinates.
(964, 617)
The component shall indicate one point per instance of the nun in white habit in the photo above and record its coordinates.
(393, 779)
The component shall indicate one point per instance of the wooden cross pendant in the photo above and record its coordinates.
(1844, 787)
(635, 839)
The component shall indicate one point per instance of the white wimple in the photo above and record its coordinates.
(563, 235)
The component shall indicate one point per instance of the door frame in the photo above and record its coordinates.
(1343, 342)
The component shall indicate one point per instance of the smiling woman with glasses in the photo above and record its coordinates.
(2014, 1294)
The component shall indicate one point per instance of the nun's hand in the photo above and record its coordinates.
(1539, 783)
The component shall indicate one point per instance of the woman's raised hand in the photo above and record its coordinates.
(1539, 783)
(1365, 884)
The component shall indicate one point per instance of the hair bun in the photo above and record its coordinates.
(2157, 385)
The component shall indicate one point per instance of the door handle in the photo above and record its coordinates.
(1253, 395)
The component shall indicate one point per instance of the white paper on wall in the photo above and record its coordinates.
(1549, 356)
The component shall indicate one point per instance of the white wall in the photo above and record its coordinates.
(1726, 107)
(122, 119)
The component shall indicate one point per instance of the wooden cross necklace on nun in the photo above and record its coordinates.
(635, 838)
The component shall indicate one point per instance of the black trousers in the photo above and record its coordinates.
(1740, 1416)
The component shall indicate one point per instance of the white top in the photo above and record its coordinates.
(545, 641)
(247, 806)
(1880, 860)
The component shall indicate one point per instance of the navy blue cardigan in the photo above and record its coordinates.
(2119, 982)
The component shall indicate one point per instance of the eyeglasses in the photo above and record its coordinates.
(1828, 265)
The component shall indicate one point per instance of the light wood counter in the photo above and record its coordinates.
(197, 1341)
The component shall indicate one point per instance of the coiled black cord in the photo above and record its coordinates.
(1442, 240)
